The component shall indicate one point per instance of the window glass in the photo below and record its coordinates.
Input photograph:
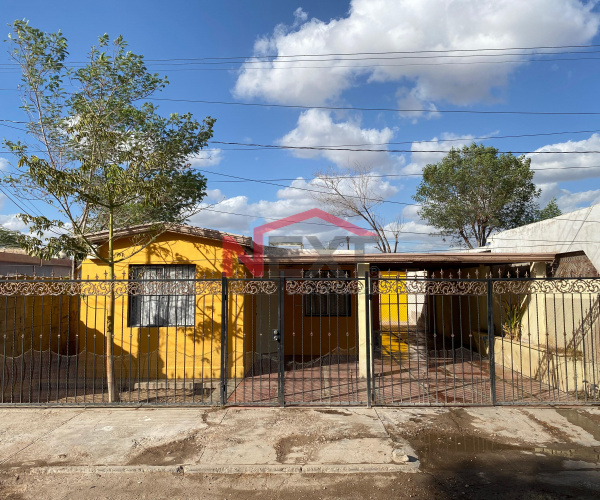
(166, 298)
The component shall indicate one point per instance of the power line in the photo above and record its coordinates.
(327, 148)
(254, 216)
(515, 136)
(389, 52)
(350, 108)
(259, 147)
(486, 137)
(368, 176)
(389, 55)
(395, 110)
(316, 191)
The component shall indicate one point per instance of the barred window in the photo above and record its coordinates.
(168, 308)
(329, 304)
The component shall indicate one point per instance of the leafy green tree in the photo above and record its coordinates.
(475, 191)
(109, 159)
(8, 238)
(550, 211)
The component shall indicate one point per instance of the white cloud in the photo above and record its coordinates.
(316, 128)
(411, 25)
(11, 221)
(207, 158)
(299, 16)
(566, 167)
(237, 214)
(432, 151)
(568, 201)
(415, 101)
(4, 164)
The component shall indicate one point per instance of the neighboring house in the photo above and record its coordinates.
(574, 237)
(15, 262)
(565, 319)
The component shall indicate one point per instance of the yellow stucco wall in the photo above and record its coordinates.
(164, 352)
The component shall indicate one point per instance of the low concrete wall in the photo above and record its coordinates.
(563, 371)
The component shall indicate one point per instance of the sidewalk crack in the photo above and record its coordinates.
(39, 438)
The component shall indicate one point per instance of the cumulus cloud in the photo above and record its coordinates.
(11, 221)
(568, 201)
(410, 25)
(238, 213)
(553, 166)
(207, 158)
(432, 151)
(316, 127)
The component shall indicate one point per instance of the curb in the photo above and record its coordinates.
(230, 469)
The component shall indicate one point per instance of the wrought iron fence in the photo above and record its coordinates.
(391, 338)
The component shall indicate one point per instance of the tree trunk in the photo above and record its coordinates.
(110, 324)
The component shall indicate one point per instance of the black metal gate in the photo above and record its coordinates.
(299, 341)
(309, 338)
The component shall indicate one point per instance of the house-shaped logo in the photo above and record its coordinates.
(255, 263)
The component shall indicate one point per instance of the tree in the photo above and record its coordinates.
(109, 159)
(8, 238)
(550, 211)
(475, 191)
(355, 193)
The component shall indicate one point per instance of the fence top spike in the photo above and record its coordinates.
(123, 274)
(476, 273)
(450, 274)
(517, 272)
(526, 274)
(433, 275)
(441, 273)
(458, 274)
(468, 275)
(97, 276)
(500, 273)
(319, 273)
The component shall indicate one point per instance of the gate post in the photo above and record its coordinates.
(490, 328)
(281, 343)
(368, 329)
(224, 338)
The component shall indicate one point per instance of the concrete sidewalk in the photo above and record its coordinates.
(555, 447)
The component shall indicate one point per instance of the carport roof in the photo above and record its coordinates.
(409, 259)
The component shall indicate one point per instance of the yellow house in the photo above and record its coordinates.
(164, 329)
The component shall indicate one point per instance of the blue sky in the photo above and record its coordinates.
(191, 30)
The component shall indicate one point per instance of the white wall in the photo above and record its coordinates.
(571, 232)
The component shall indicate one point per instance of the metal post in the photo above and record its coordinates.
(369, 333)
(224, 338)
(490, 328)
(281, 343)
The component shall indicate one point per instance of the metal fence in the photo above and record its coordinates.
(313, 339)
